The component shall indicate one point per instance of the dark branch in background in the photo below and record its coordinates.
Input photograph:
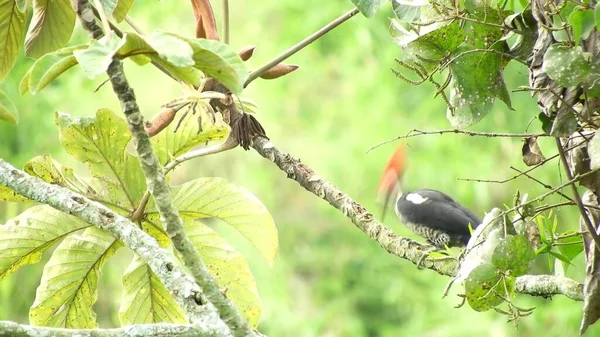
(542, 285)
(141, 330)
(415, 133)
(177, 281)
(300, 45)
(590, 227)
(159, 188)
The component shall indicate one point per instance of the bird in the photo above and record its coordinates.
(431, 214)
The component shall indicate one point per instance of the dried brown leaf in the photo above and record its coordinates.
(279, 70)
(206, 26)
(246, 53)
(532, 154)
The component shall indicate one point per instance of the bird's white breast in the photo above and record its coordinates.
(416, 198)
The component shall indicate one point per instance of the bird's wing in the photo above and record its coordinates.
(436, 210)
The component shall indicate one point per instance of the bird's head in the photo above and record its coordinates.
(391, 179)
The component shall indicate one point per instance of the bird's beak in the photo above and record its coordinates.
(389, 184)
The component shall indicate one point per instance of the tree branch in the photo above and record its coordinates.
(13, 329)
(177, 281)
(160, 189)
(294, 49)
(404, 248)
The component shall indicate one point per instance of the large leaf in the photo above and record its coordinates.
(98, 56)
(231, 203)
(50, 28)
(69, 285)
(49, 67)
(50, 171)
(197, 128)
(476, 82)
(167, 46)
(219, 61)
(24, 238)
(123, 7)
(12, 27)
(146, 299)
(368, 7)
(8, 110)
(101, 143)
(229, 267)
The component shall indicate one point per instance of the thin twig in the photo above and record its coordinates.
(590, 226)
(541, 183)
(226, 21)
(300, 45)
(415, 133)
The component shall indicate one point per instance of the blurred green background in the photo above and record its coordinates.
(329, 278)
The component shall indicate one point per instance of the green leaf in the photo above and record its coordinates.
(123, 7)
(8, 110)
(49, 67)
(69, 285)
(12, 27)
(97, 57)
(513, 253)
(145, 299)
(220, 62)
(476, 82)
(108, 6)
(52, 172)
(483, 286)
(368, 7)
(188, 75)
(168, 47)
(570, 246)
(50, 28)
(229, 267)
(101, 142)
(597, 16)
(565, 65)
(195, 129)
(582, 22)
(24, 84)
(408, 10)
(24, 238)
(231, 203)
(23, 5)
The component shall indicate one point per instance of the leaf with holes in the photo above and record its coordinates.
(483, 287)
(513, 254)
(49, 67)
(476, 82)
(101, 143)
(52, 172)
(8, 110)
(24, 238)
(231, 203)
(145, 299)
(229, 267)
(50, 27)
(12, 27)
(69, 285)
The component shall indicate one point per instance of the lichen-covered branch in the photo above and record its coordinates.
(13, 329)
(158, 186)
(405, 248)
(163, 264)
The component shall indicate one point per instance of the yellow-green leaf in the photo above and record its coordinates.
(231, 203)
(145, 298)
(24, 238)
(6, 194)
(8, 110)
(101, 142)
(12, 27)
(69, 285)
(50, 28)
(52, 172)
(196, 128)
(49, 67)
(123, 7)
(229, 267)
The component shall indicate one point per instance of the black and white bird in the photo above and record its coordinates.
(431, 214)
